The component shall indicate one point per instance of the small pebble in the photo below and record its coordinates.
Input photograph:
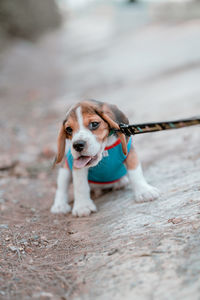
(13, 248)
(30, 261)
(113, 251)
(3, 226)
(175, 220)
(43, 295)
(29, 250)
(15, 201)
(35, 243)
(23, 241)
(16, 279)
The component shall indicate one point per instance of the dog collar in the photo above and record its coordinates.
(116, 143)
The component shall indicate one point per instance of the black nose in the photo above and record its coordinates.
(79, 145)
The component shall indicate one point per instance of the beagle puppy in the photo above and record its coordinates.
(97, 158)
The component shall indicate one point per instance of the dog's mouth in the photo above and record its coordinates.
(83, 161)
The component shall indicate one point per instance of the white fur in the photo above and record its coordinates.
(111, 140)
(61, 199)
(83, 205)
(142, 190)
(79, 117)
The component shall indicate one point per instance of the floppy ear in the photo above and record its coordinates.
(60, 145)
(113, 116)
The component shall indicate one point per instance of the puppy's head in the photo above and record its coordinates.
(87, 126)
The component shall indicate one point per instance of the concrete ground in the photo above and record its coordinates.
(127, 250)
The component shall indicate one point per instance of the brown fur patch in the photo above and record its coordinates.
(102, 131)
(71, 121)
(132, 160)
(88, 110)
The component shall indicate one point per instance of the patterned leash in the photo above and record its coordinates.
(158, 126)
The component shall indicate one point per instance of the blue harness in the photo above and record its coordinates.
(111, 168)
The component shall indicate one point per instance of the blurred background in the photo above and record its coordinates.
(143, 56)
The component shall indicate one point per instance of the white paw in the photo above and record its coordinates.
(60, 205)
(145, 193)
(84, 209)
(60, 208)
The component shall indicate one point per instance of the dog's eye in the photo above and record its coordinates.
(94, 125)
(69, 130)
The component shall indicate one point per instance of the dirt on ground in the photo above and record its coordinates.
(126, 250)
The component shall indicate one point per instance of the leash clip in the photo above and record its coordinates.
(125, 129)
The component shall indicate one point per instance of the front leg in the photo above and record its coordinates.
(61, 198)
(83, 205)
(142, 190)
